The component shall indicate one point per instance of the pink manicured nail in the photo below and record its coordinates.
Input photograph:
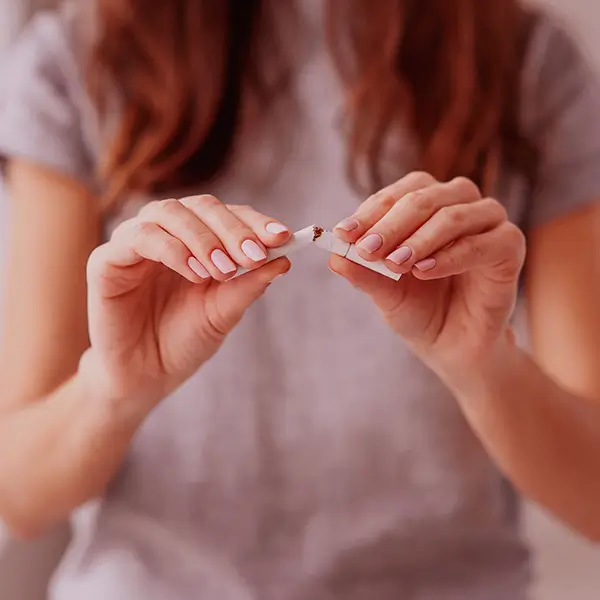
(253, 251)
(276, 228)
(347, 225)
(222, 262)
(371, 243)
(195, 265)
(426, 265)
(401, 255)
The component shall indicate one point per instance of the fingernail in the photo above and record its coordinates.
(195, 265)
(222, 262)
(253, 251)
(347, 225)
(401, 255)
(276, 228)
(426, 265)
(371, 243)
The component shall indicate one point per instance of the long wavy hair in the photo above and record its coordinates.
(447, 72)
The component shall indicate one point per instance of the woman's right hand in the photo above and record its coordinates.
(159, 303)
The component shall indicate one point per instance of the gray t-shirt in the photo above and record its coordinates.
(314, 458)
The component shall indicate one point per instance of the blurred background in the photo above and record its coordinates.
(567, 568)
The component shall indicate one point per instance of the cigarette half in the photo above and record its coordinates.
(329, 242)
(300, 239)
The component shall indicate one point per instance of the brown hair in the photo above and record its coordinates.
(447, 72)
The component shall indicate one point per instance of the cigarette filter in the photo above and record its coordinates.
(301, 239)
(328, 241)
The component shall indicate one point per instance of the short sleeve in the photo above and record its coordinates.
(39, 117)
(562, 115)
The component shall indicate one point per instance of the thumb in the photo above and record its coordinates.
(231, 298)
(384, 292)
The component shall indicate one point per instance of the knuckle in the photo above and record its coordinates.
(173, 248)
(454, 216)
(419, 179)
(239, 230)
(512, 231)
(149, 209)
(421, 245)
(156, 208)
(465, 187)
(385, 198)
(422, 200)
(240, 208)
(204, 201)
(121, 229)
(170, 206)
(499, 210)
(515, 238)
(142, 229)
(206, 241)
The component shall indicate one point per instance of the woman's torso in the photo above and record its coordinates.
(314, 457)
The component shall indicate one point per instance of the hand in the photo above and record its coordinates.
(157, 302)
(462, 259)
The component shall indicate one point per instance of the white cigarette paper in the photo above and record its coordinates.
(329, 242)
(301, 239)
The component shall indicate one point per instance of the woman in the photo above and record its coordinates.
(310, 449)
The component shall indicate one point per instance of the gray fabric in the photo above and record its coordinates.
(562, 111)
(314, 458)
(42, 104)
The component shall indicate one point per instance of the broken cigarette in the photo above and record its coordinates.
(301, 239)
(326, 240)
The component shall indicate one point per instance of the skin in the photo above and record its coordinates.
(538, 416)
(143, 311)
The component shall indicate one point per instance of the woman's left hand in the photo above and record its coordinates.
(461, 259)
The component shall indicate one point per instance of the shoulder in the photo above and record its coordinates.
(44, 111)
(561, 115)
(47, 46)
(557, 72)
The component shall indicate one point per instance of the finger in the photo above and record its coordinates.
(234, 297)
(445, 227)
(501, 249)
(270, 232)
(410, 213)
(239, 241)
(377, 205)
(202, 242)
(386, 293)
(140, 241)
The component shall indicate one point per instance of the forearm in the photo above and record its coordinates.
(545, 439)
(57, 453)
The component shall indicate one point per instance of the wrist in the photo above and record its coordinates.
(497, 364)
(96, 385)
